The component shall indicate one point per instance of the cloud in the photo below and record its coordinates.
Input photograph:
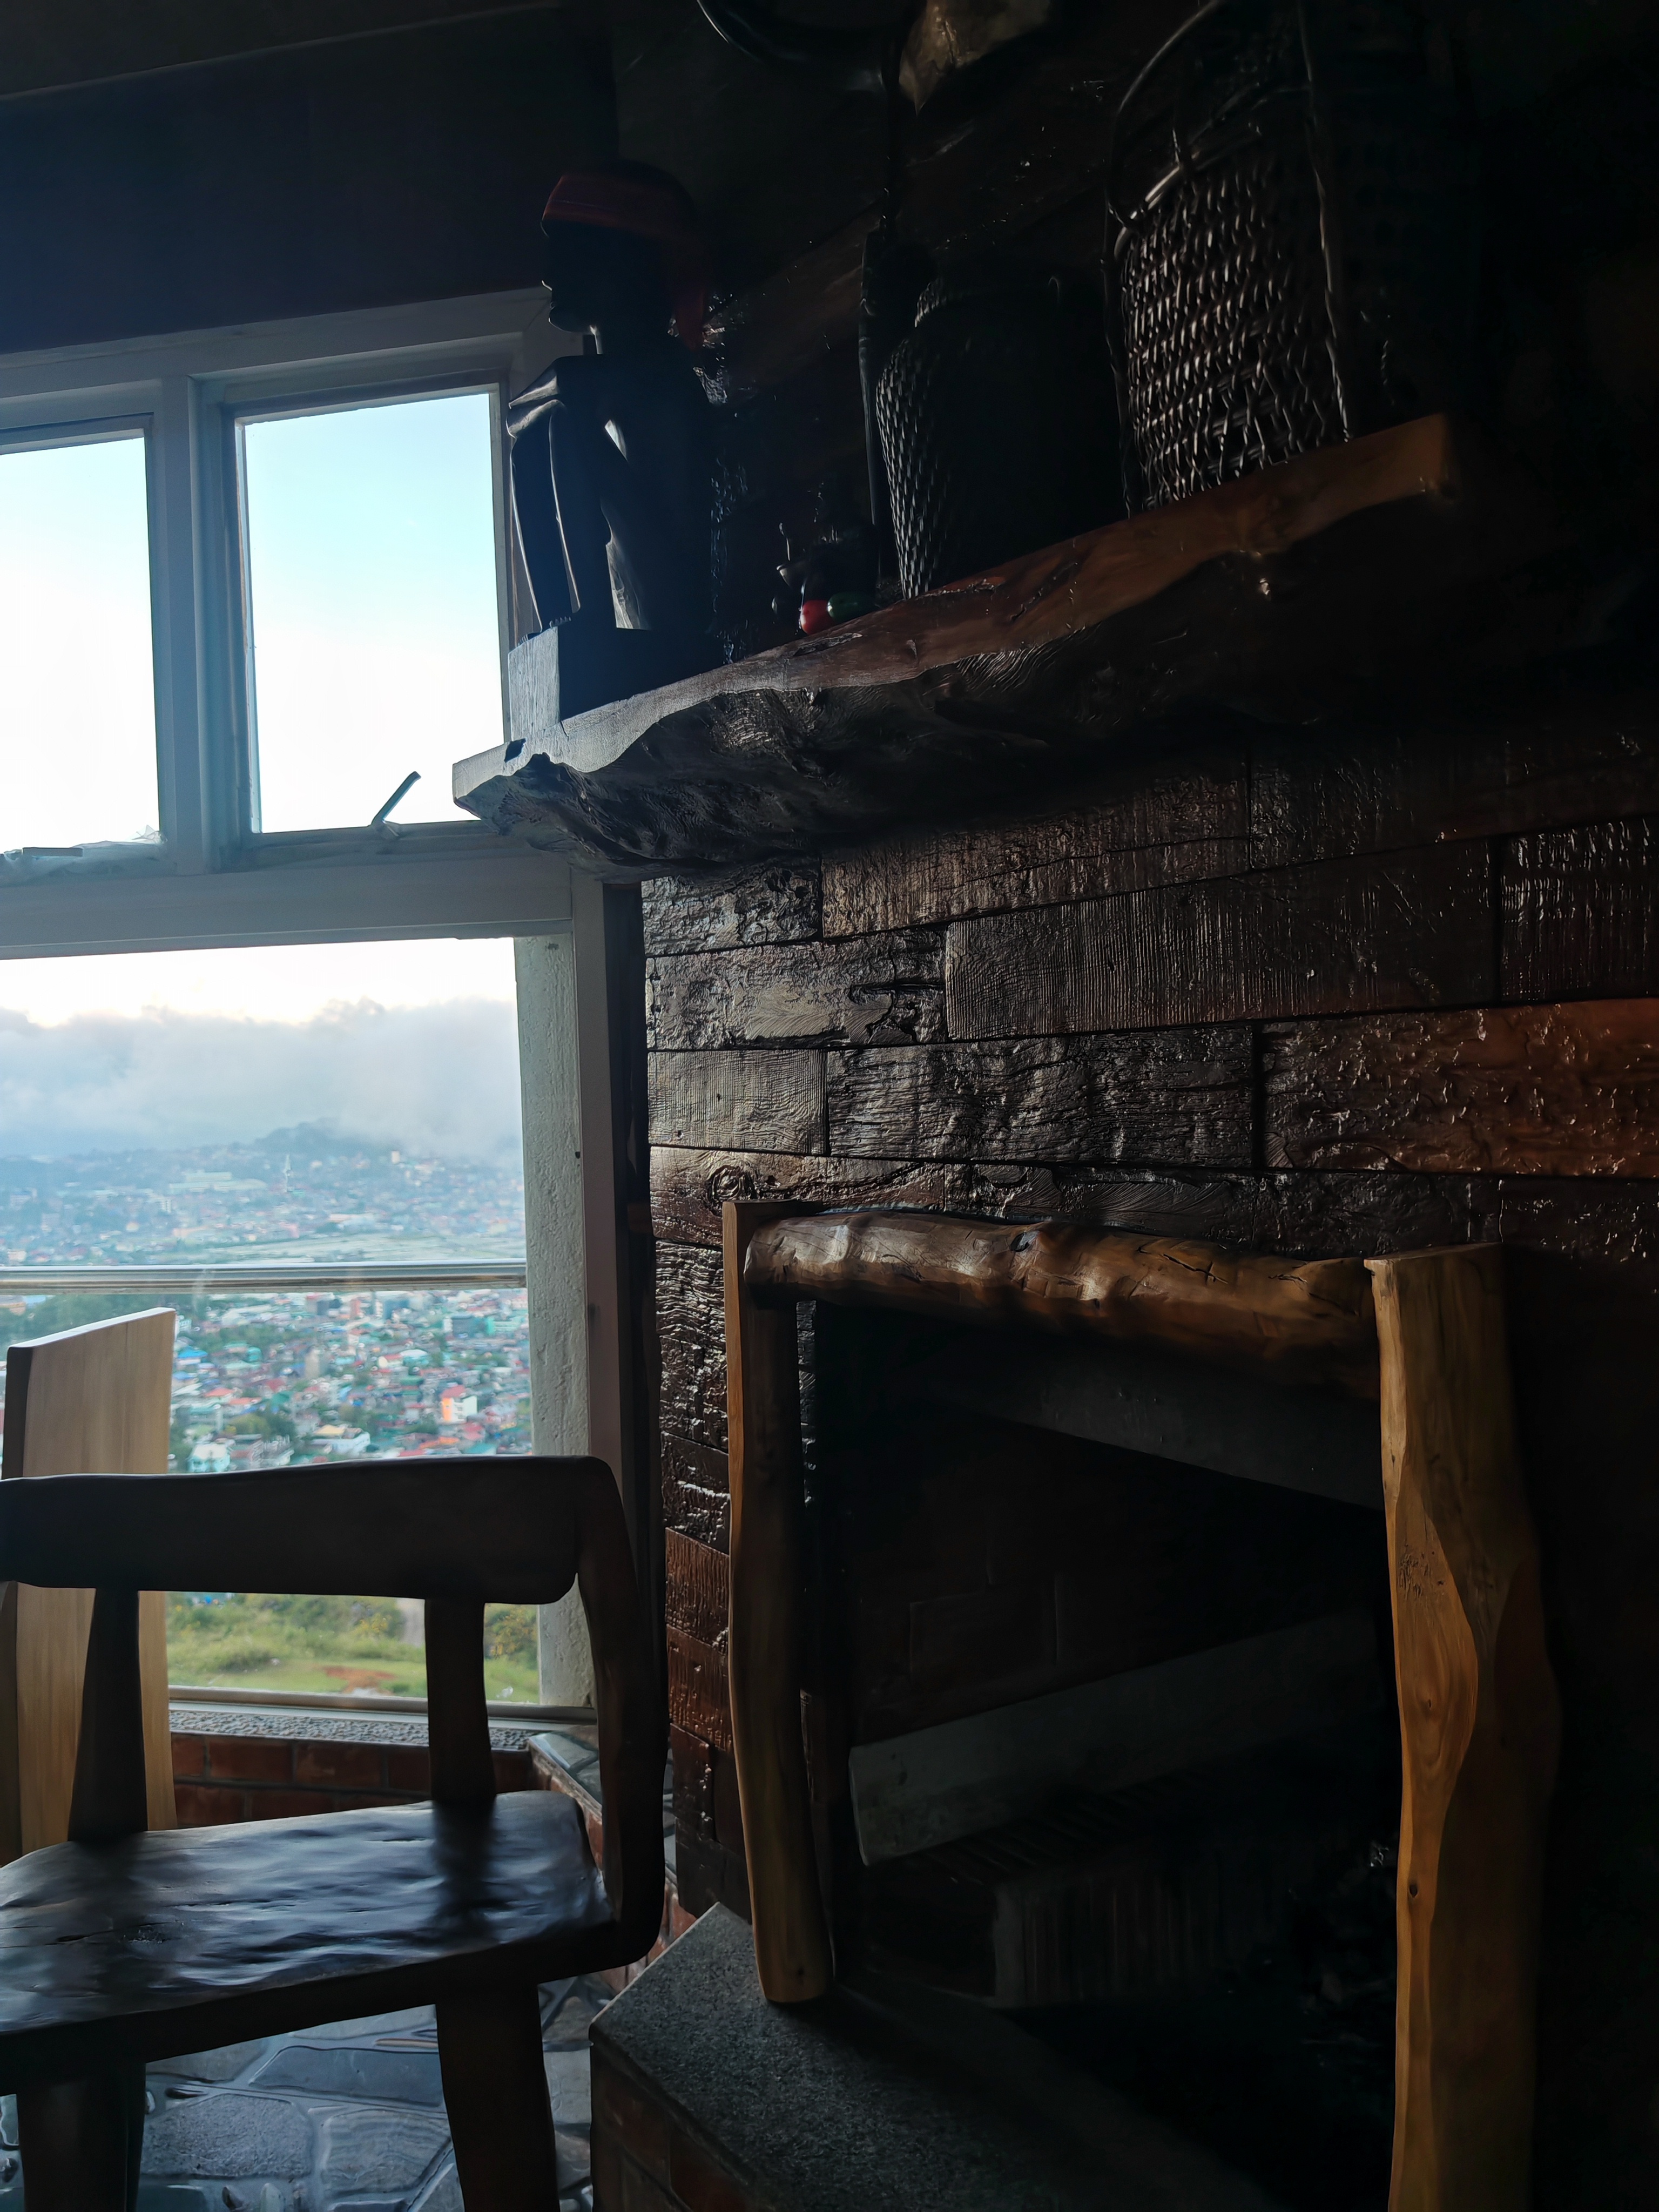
(438, 1080)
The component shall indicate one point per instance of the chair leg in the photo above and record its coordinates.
(81, 2142)
(496, 2089)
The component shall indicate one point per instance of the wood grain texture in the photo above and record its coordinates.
(1563, 1090)
(1347, 576)
(506, 1527)
(778, 905)
(1177, 1095)
(501, 2119)
(188, 1939)
(699, 1692)
(1411, 930)
(758, 1102)
(1158, 822)
(1180, 810)
(695, 1495)
(96, 1397)
(1579, 912)
(457, 1723)
(1479, 1727)
(888, 989)
(1294, 1321)
(764, 1658)
(699, 1588)
(690, 1304)
(689, 1189)
(1511, 761)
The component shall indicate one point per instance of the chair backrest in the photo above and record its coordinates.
(98, 1396)
(454, 1532)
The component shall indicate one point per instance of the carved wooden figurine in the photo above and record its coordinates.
(612, 448)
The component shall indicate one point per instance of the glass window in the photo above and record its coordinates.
(341, 1106)
(78, 685)
(372, 607)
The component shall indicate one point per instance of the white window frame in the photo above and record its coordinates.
(212, 878)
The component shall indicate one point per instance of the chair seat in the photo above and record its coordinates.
(183, 1939)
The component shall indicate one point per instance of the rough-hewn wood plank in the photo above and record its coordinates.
(699, 1595)
(1565, 1089)
(698, 1700)
(1581, 912)
(757, 1102)
(695, 1491)
(1287, 798)
(760, 906)
(689, 1188)
(888, 989)
(1318, 1215)
(1411, 930)
(1180, 1096)
(1524, 762)
(692, 1344)
(1153, 824)
(1295, 1321)
(1612, 1223)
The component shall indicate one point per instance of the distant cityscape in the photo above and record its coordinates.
(262, 1379)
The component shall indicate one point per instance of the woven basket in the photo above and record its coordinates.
(996, 415)
(1291, 227)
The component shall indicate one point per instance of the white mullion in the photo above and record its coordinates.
(180, 764)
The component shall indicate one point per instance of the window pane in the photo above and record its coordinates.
(78, 685)
(344, 1104)
(373, 589)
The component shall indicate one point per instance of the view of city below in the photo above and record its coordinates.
(269, 1378)
(309, 1193)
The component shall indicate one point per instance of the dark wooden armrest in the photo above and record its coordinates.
(503, 1529)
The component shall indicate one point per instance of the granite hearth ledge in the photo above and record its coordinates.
(1361, 572)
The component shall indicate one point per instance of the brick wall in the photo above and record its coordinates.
(222, 1778)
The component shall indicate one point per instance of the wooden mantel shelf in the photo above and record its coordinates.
(1297, 592)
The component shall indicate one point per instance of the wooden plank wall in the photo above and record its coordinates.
(1320, 993)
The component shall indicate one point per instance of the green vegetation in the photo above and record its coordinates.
(249, 1640)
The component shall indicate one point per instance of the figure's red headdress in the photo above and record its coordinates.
(646, 206)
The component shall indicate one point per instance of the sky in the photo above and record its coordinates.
(409, 1044)
(372, 567)
(372, 557)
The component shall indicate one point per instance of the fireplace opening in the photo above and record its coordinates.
(1100, 1721)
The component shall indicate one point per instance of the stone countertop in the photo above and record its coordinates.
(885, 2098)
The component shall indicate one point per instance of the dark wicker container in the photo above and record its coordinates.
(1292, 238)
(996, 421)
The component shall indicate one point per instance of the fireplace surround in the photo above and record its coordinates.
(1422, 1336)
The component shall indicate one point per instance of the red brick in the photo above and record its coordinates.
(249, 1758)
(189, 1756)
(513, 1770)
(698, 2182)
(623, 2115)
(353, 1801)
(339, 1767)
(679, 1919)
(285, 1804)
(409, 1768)
(199, 1805)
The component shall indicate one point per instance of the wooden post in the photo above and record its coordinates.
(792, 1940)
(1479, 1727)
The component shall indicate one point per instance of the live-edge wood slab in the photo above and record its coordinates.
(1347, 571)
(186, 1939)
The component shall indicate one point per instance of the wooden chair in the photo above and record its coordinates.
(122, 1945)
(98, 1396)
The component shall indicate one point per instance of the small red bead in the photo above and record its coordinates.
(814, 617)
